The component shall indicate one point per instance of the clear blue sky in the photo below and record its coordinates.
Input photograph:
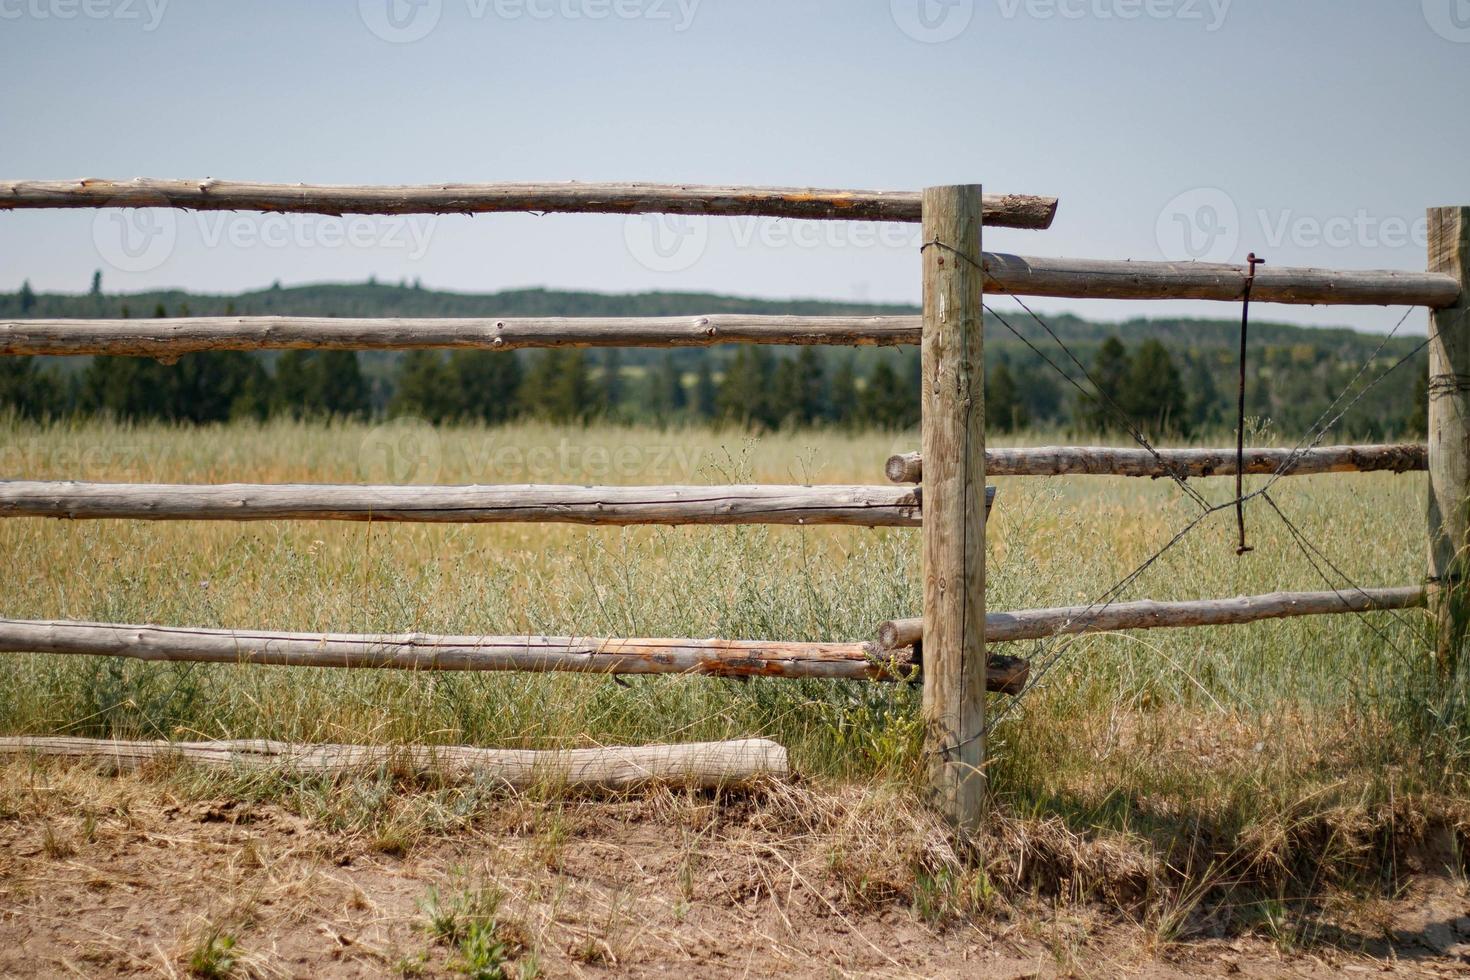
(1314, 132)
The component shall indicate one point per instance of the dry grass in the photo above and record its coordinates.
(1168, 775)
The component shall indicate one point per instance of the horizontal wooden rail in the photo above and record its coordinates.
(168, 338)
(1001, 210)
(536, 654)
(1037, 624)
(706, 765)
(1104, 279)
(860, 506)
(1183, 463)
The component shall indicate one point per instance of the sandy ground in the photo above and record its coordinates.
(137, 883)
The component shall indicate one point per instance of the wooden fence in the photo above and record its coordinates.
(946, 646)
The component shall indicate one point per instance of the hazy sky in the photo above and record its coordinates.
(1314, 132)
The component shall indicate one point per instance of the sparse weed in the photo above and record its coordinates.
(215, 955)
(468, 917)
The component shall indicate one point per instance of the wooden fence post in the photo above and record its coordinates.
(953, 498)
(1449, 430)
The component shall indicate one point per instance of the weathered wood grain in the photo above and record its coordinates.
(532, 654)
(174, 337)
(1449, 431)
(706, 765)
(1183, 463)
(1105, 279)
(953, 400)
(1002, 210)
(859, 506)
(1037, 624)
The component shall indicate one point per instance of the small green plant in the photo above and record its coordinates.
(215, 956)
(1271, 918)
(942, 895)
(469, 919)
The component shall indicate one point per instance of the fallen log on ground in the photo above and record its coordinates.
(704, 765)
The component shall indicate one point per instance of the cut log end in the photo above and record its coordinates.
(1007, 675)
(904, 468)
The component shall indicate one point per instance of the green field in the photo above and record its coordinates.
(1213, 743)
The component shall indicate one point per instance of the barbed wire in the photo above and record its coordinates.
(1049, 659)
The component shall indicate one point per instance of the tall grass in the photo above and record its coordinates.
(1142, 732)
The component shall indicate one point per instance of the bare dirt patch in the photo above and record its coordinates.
(137, 875)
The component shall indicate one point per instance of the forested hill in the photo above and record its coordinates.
(1176, 375)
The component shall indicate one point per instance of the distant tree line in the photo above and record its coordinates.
(1169, 389)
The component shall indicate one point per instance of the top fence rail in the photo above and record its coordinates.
(1001, 210)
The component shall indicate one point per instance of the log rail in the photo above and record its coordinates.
(741, 659)
(855, 506)
(1038, 624)
(1182, 463)
(953, 687)
(1002, 210)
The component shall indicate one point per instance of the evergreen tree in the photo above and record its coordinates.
(488, 384)
(611, 394)
(426, 388)
(813, 405)
(25, 390)
(706, 394)
(1038, 393)
(1110, 372)
(1154, 394)
(126, 388)
(96, 290)
(785, 392)
(557, 387)
(294, 389)
(343, 391)
(1203, 409)
(885, 400)
(1003, 409)
(843, 398)
(744, 396)
(27, 297)
(1417, 422)
(668, 398)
